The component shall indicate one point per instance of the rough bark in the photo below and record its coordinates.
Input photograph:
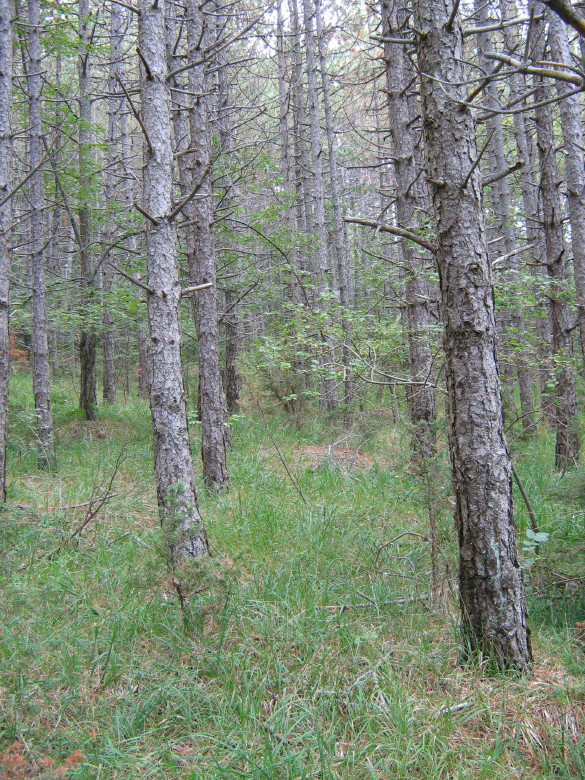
(529, 188)
(144, 368)
(118, 24)
(565, 413)
(409, 200)
(40, 343)
(493, 605)
(88, 336)
(233, 380)
(180, 518)
(6, 16)
(215, 435)
(574, 159)
(513, 320)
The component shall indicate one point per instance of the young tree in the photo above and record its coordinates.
(409, 191)
(177, 498)
(40, 344)
(493, 604)
(565, 412)
(88, 336)
(6, 15)
(215, 434)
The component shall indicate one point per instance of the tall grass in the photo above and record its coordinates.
(308, 654)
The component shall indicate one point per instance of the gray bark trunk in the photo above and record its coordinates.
(503, 215)
(233, 381)
(529, 185)
(118, 24)
(399, 75)
(491, 590)
(6, 16)
(567, 439)
(144, 368)
(329, 398)
(177, 499)
(574, 158)
(40, 343)
(88, 337)
(339, 245)
(215, 435)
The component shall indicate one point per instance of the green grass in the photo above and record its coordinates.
(268, 682)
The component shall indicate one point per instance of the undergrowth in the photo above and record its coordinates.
(313, 651)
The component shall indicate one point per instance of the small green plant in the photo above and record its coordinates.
(530, 545)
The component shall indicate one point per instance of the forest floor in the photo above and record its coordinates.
(310, 650)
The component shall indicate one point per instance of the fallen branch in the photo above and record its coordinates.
(396, 538)
(343, 607)
(94, 505)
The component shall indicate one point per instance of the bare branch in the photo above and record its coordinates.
(396, 231)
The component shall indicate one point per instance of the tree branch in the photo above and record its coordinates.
(396, 231)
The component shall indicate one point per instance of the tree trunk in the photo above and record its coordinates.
(513, 320)
(184, 532)
(6, 16)
(574, 158)
(339, 246)
(202, 263)
(233, 381)
(491, 590)
(329, 398)
(118, 23)
(144, 368)
(529, 187)
(567, 439)
(40, 343)
(88, 337)
(409, 202)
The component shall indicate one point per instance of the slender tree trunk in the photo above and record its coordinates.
(529, 187)
(202, 264)
(503, 215)
(491, 590)
(177, 499)
(40, 343)
(408, 184)
(329, 398)
(88, 337)
(567, 438)
(339, 246)
(574, 159)
(118, 23)
(233, 381)
(144, 368)
(6, 16)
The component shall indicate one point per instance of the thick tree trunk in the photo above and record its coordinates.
(215, 434)
(40, 343)
(180, 518)
(409, 203)
(565, 415)
(491, 590)
(88, 337)
(6, 16)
